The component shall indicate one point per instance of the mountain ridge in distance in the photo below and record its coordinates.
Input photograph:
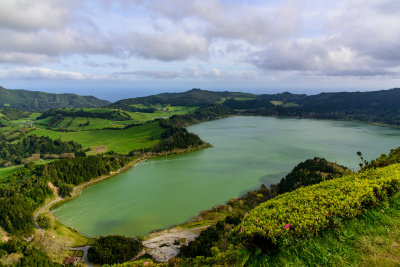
(37, 101)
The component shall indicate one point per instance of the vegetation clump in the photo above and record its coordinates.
(109, 114)
(44, 222)
(25, 255)
(113, 249)
(311, 171)
(304, 212)
(17, 153)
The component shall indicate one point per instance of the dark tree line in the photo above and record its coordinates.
(113, 249)
(378, 106)
(311, 171)
(60, 114)
(203, 114)
(18, 200)
(14, 153)
(180, 138)
(13, 113)
(78, 170)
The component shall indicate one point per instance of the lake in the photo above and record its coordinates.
(247, 152)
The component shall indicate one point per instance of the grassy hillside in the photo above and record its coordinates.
(39, 101)
(369, 240)
(120, 141)
(83, 119)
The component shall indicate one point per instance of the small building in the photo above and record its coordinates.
(70, 260)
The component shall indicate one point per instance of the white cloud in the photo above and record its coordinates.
(25, 58)
(165, 46)
(45, 73)
(191, 73)
(152, 74)
(233, 20)
(230, 39)
(360, 40)
(26, 15)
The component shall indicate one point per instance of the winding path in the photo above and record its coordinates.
(85, 250)
(44, 208)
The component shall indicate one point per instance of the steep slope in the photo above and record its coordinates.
(40, 101)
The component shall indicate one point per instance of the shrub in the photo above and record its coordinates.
(44, 222)
(305, 211)
(311, 171)
(113, 249)
(65, 190)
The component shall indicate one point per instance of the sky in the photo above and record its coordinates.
(116, 49)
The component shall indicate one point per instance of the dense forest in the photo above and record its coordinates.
(311, 171)
(113, 249)
(114, 115)
(43, 147)
(206, 113)
(24, 191)
(13, 113)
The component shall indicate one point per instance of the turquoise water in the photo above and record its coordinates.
(247, 152)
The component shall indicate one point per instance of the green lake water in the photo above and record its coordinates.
(247, 152)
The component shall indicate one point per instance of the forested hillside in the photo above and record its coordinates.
(376, 106)
(194, 97)
(40, 101)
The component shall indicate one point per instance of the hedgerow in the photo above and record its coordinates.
(305, 211)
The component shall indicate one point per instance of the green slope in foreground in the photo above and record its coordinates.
(370, 240)
(120, 141)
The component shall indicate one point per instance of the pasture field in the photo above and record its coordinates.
(276, 103)
(86, 124)
(120, 141)
(5, 172)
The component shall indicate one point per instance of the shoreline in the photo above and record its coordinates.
(77, 190)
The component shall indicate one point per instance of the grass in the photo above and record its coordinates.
(276, 103)
(120, 141)
(372, 239)
(161, 112)
(290, 104)
(7, 171)
(58, 239)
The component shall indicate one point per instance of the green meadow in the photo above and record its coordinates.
(120, 141)
(85, 124)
